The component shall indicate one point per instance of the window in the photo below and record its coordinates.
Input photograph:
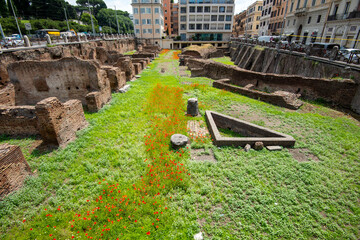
(294, 21)
(313, 3)
(199, 9)
(318, 19)
(138, 31)
(165, 5)
(157, 30)
(149, 30)
(198, 26)
(183, 1)
(282, 11)
(207, 9)
(347, 5)
(192, 18)
(257, 18)
(165, 18)
(137, 22)
(206, 26)
(165, 11)
(323, 1)
(144, 31)
(288, 22)
(221, 18)
(136, 10)
(336, 9)
(182, 26)
(157, 21)
(207, 18)
(143, 21)
(353, 28)
(148, 10)
(191, 26)
(309, 20)
(298, 4)
(213, 18)
(142, 10)
(148, 21)
(192, 9)
(182, 18)
(259, 8)
(257, 26)
(227, 26)
(183, 10)
(157, 10)
(228, 18)
(222, 9)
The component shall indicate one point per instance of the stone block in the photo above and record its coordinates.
(7, 95)
(13, 169)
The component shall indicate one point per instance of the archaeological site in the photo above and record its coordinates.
(120, 139)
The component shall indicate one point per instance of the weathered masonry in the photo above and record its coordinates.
(43, 91)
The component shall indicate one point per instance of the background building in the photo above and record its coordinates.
(253, 14)
(167, 16)
(148, 20)
(239, 24)
(265, 18)
(306, 19)
(205, 20)
(343, 23)
(277, 16)
(174, 19)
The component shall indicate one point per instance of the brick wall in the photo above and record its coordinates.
(13, 169)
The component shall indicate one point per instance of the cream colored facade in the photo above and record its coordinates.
(343, 23)
(265, 18)
(305, 19)
(253, 15)
(148, 20)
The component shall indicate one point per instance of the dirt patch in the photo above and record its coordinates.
(245, 113)
(202, 155)
(197, 128)
(303, 155)
(183, 71)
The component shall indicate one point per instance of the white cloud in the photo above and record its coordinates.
(241, 5)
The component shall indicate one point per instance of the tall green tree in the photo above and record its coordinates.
(4, 11)
(108, 15)
(22, 8)
(96, 5)
(85, 18)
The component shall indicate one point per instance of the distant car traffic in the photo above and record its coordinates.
(350, 55)
(13, 41)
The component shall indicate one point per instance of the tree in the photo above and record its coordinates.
(85, 18)
(4, 11)
(96, 5)
(106, 15)
(22, 8)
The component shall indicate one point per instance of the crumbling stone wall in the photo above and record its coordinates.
(205, 51)
(59, 122)
(269, 60)
(13, 169)
(56, 122)
(18, 120)
(7, 95)
(331, 90)
(67, 78)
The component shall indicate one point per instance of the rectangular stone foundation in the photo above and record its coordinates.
(13, 169)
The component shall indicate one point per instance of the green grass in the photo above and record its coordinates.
(224, 60)
(130, 52)
(229, 133)
(243, 195)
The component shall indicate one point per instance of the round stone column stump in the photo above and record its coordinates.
(192, 107)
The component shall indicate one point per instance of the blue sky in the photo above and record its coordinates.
(125, 4)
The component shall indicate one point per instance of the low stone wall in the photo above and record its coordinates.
(343, 93)
(18, 120)
(13, 169)
(282, 100)
(56, 122)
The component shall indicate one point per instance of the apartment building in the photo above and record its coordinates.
(167, 16)
(343, 23)
(239, 24)
(174, 19)
(277, 16)
(148, 19)
(306, 19)
(265, 18)
(206, 20)
(253, 15)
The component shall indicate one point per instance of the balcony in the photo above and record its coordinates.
(300, 12)
(354, 14)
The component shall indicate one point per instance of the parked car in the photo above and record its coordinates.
(350, 55)
(13, 41)
(323, 49)
(268, 38)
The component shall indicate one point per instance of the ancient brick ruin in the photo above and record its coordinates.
(43, 91)
(344, 93)
(13, 169)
